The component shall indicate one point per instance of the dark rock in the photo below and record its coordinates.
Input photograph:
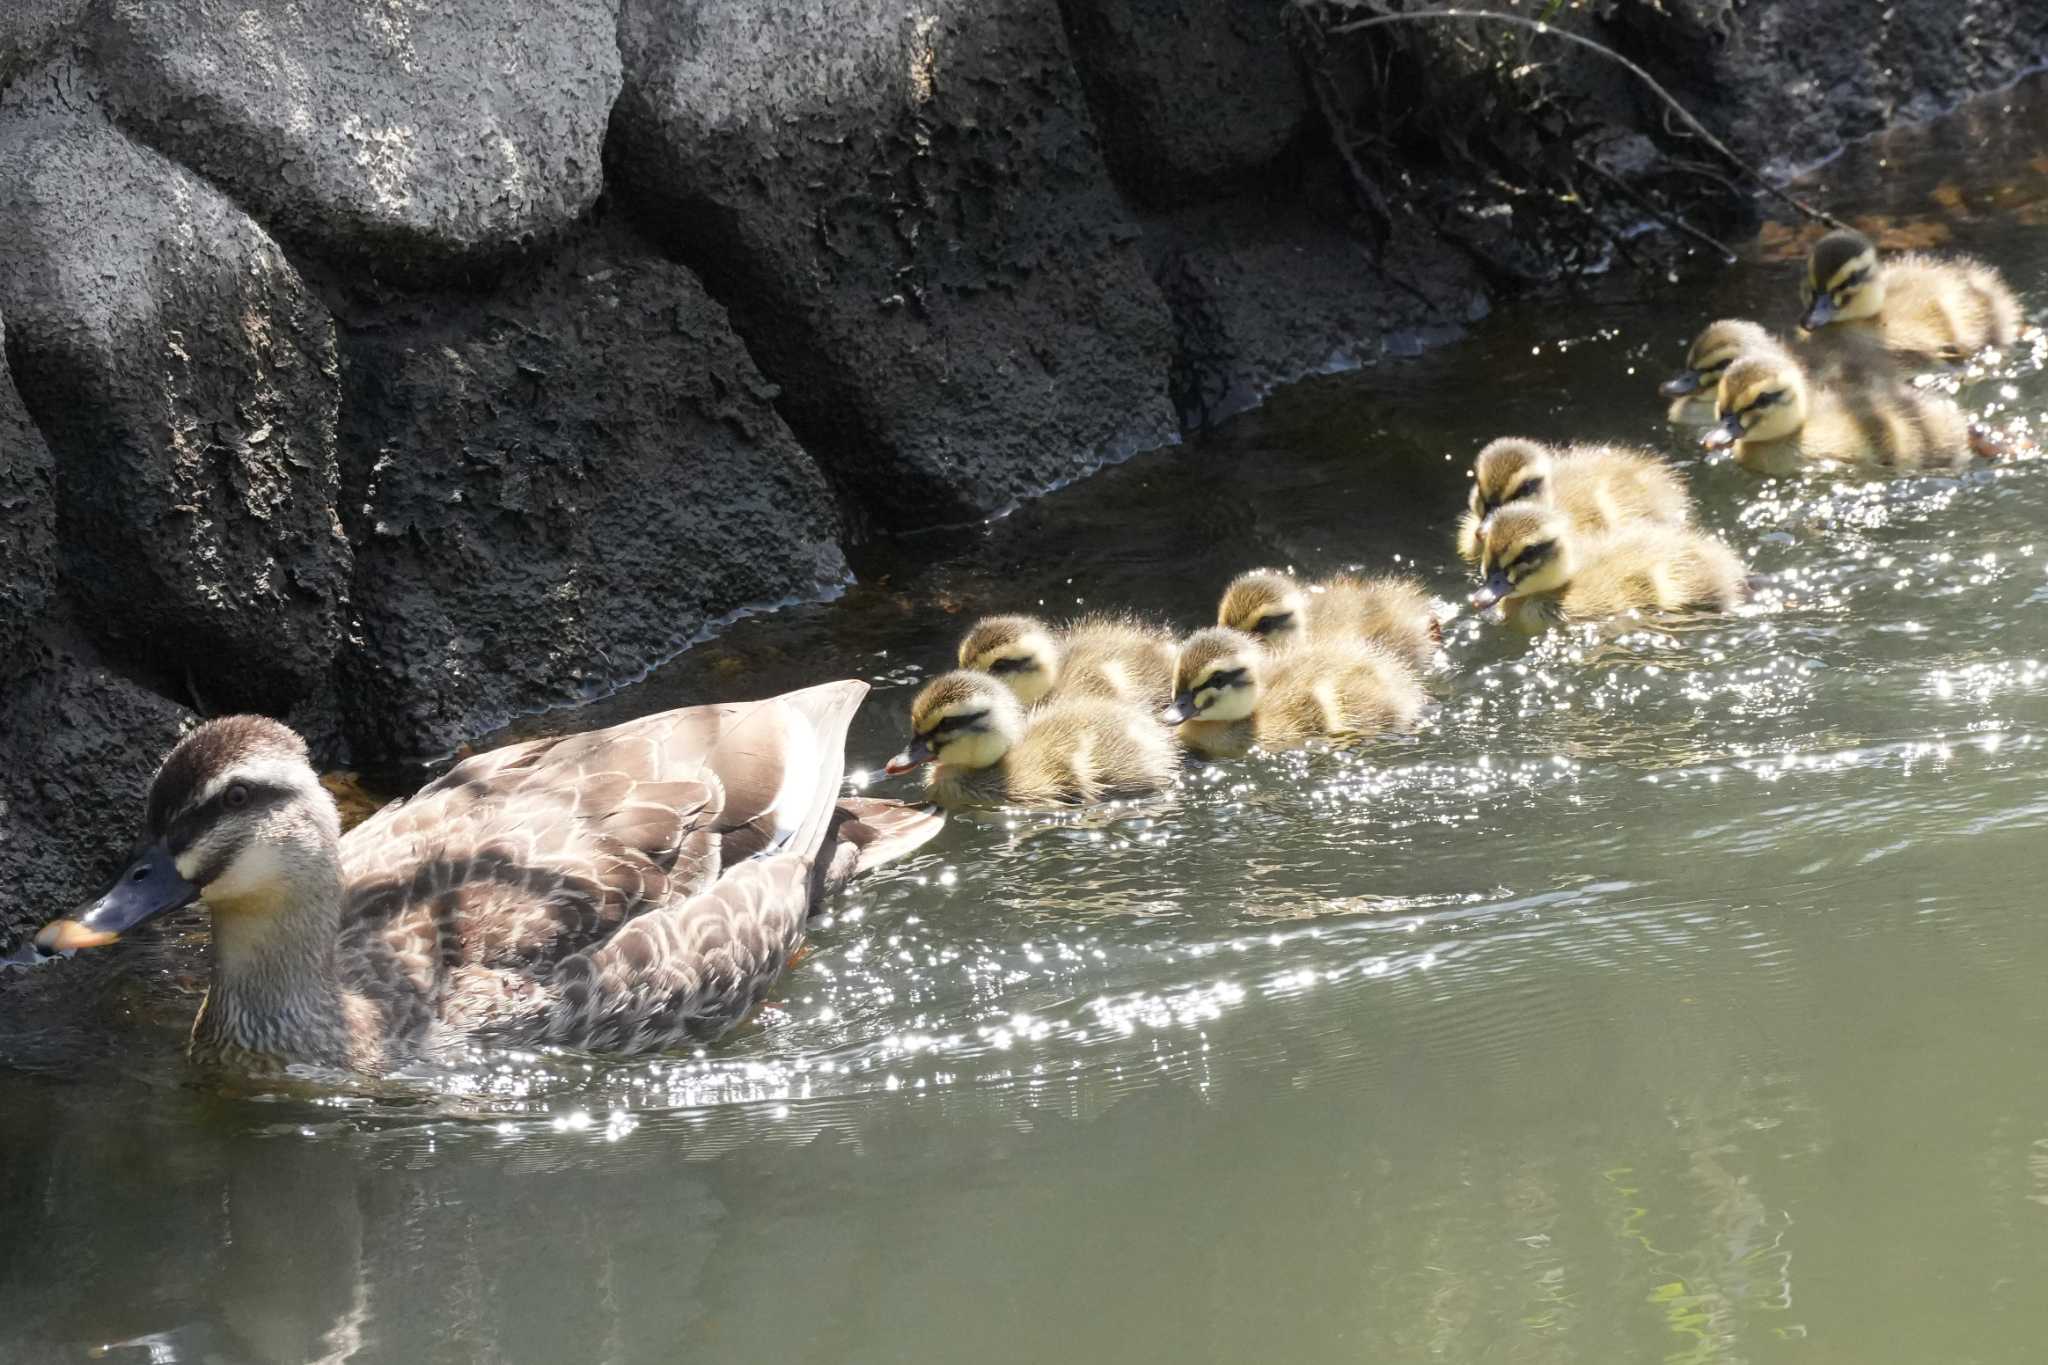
(1267, 291)
(30, 30)
(912, 224)
(555, 488)
(184, 378)
(1187, 92)
(78, 746)
(399, 136)
(28, 530)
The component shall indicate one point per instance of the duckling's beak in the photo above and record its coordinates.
(916, 756)
(1680, 384)
(1725, 433)
(1496, 586)
(1183, 708)
(1819, 313)
(148, 887)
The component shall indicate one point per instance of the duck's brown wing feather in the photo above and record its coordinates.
(510, 880)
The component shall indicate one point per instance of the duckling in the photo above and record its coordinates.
(1836, 355)
(621, 890)
(1117, 657)
(1540, 571)
(1779, 424)
(1597, 487)
(1948, 309)
(987, 751)
(1229, 693)
(1390, 611)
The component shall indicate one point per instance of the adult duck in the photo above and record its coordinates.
(621, 890)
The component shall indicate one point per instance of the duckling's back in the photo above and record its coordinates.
(1118, 658)
(1343, 689)
(1653, 569)
(1079, 749)
(1948, 308)
(1602, 488)
(1388, 610)
(1894, 426)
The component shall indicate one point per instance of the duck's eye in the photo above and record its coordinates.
(1530, 557)
(236, 796)
(1222, 678)
(1765, 400)
(1527, 488)
(966, 720)
(1015, 664)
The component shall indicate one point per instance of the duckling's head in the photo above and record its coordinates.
(1525, 549)
(1761, 399)
(1843, 281)
(1216, 678)
(237, 818)
(1508, 470)
(1720, 344)
(962, 719)
(1020, 650)
(1265, 603)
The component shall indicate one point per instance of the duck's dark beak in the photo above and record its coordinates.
(1182, 708)
(1819, 313)
(1724, 433)
(1492, 590)
(1680, 384)
(916, 756)
(148, 887)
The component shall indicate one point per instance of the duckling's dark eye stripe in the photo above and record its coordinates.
(1013, 665)
(1266, 625)
(1223, 677)
(955, 722)
(1531, 555)
(1527, 488)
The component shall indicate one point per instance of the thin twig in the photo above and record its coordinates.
(1699, 129)
(1643, 202)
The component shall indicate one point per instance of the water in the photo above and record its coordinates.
(1674, 995)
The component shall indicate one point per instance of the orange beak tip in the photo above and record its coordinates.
(67, 935)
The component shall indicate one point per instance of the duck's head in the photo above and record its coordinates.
(236, 817)
(1216, 678)
(961, 719)
(1022, 651)
(1760, 399)
(1720, 344)
(1509, 470)
(1843, 281)
(1265, 603)
(1525, 549)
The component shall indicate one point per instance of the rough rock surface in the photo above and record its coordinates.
(1188, 93)
(78, 746)
(909, 217)
(1788, 84)
(184, 379)
(555, 488)
(28, 530)
(31, 29)
(392, 133)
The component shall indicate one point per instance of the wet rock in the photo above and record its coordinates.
(405, 137)
(1187, 92)
(28, 530)
(78, 746)
(185, 380)
(911, 221)
(556, 487)
(1265, 292)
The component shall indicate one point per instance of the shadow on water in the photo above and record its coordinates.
(1672, 994)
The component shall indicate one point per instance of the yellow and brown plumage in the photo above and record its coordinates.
(1388, 610)
(1597, 487)
(1780, 424)
(1120, 658)
(1540, 572)
(986, 750)
(620, 890)
(1231, 694)
(1945, 308)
